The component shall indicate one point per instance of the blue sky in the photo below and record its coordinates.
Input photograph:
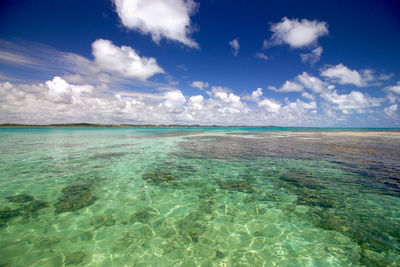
(286, 63)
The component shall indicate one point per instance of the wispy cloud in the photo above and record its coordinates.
(261, 56)
(235, 46)
(313, 57)
(200, 84)
(111, 65)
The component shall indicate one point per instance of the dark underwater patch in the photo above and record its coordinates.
(20, 198)
(75, 197)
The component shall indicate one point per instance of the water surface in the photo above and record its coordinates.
(199, 197)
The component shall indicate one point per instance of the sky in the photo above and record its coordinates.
(213, 62)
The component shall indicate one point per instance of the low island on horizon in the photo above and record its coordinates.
(116, 125)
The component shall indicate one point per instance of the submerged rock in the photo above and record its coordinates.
(20, 198)
(75, 258)
(240, 186)
(27, 210)
(158, 177)
(76, 188)
(100, 221)
(46, 242)
(307, 187)
(75, 197)
(144, 215)
(192, 226)
(365, 235)
(301, 178)
(136, 238)
(7, 214)
(310, 198)
(86, 236)
(109, 155)
(34, 206)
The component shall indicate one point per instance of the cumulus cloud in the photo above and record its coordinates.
(287, 87)
(312, 57)
(296, 33)
(270, 105)
(168, 19)
(173, 101)
(255, 95)
(308, 96)
(196, 102)
(200, 84)
(343, 75)
(59, 101)
(313, 83)
(354, 101)
(301, 82)
(61, 91)
(234, 44)
(224, 95)
(123, 60)
(261, 56)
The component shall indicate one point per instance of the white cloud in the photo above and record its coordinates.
(288, 86)
(255, 95)
(261, 56)
(112, 64)
(312, 57)
(37, 58)
(170, 80)
(160, 18)
(270, 105)
(123, 60)
(196, 102)
(174, 101)
(312, 83)
(300, 106)
(182, 67)
(308, 96)
(385, 77)
(343, 75)
(393, 89)
(301, 82)
(235, 46)
(58, 101)
(225, 101)
(16, 59)
(293, 113)
(200, 84)
(296, 33)
(353, 102)
(391, 111)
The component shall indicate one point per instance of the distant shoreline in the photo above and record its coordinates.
(132, 125)
(99, 125)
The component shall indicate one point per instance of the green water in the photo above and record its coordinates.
(197, 197)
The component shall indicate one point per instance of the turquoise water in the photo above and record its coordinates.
(199, 197)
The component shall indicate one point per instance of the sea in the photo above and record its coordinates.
(83, 196)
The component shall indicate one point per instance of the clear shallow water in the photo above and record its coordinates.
(198, 197)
